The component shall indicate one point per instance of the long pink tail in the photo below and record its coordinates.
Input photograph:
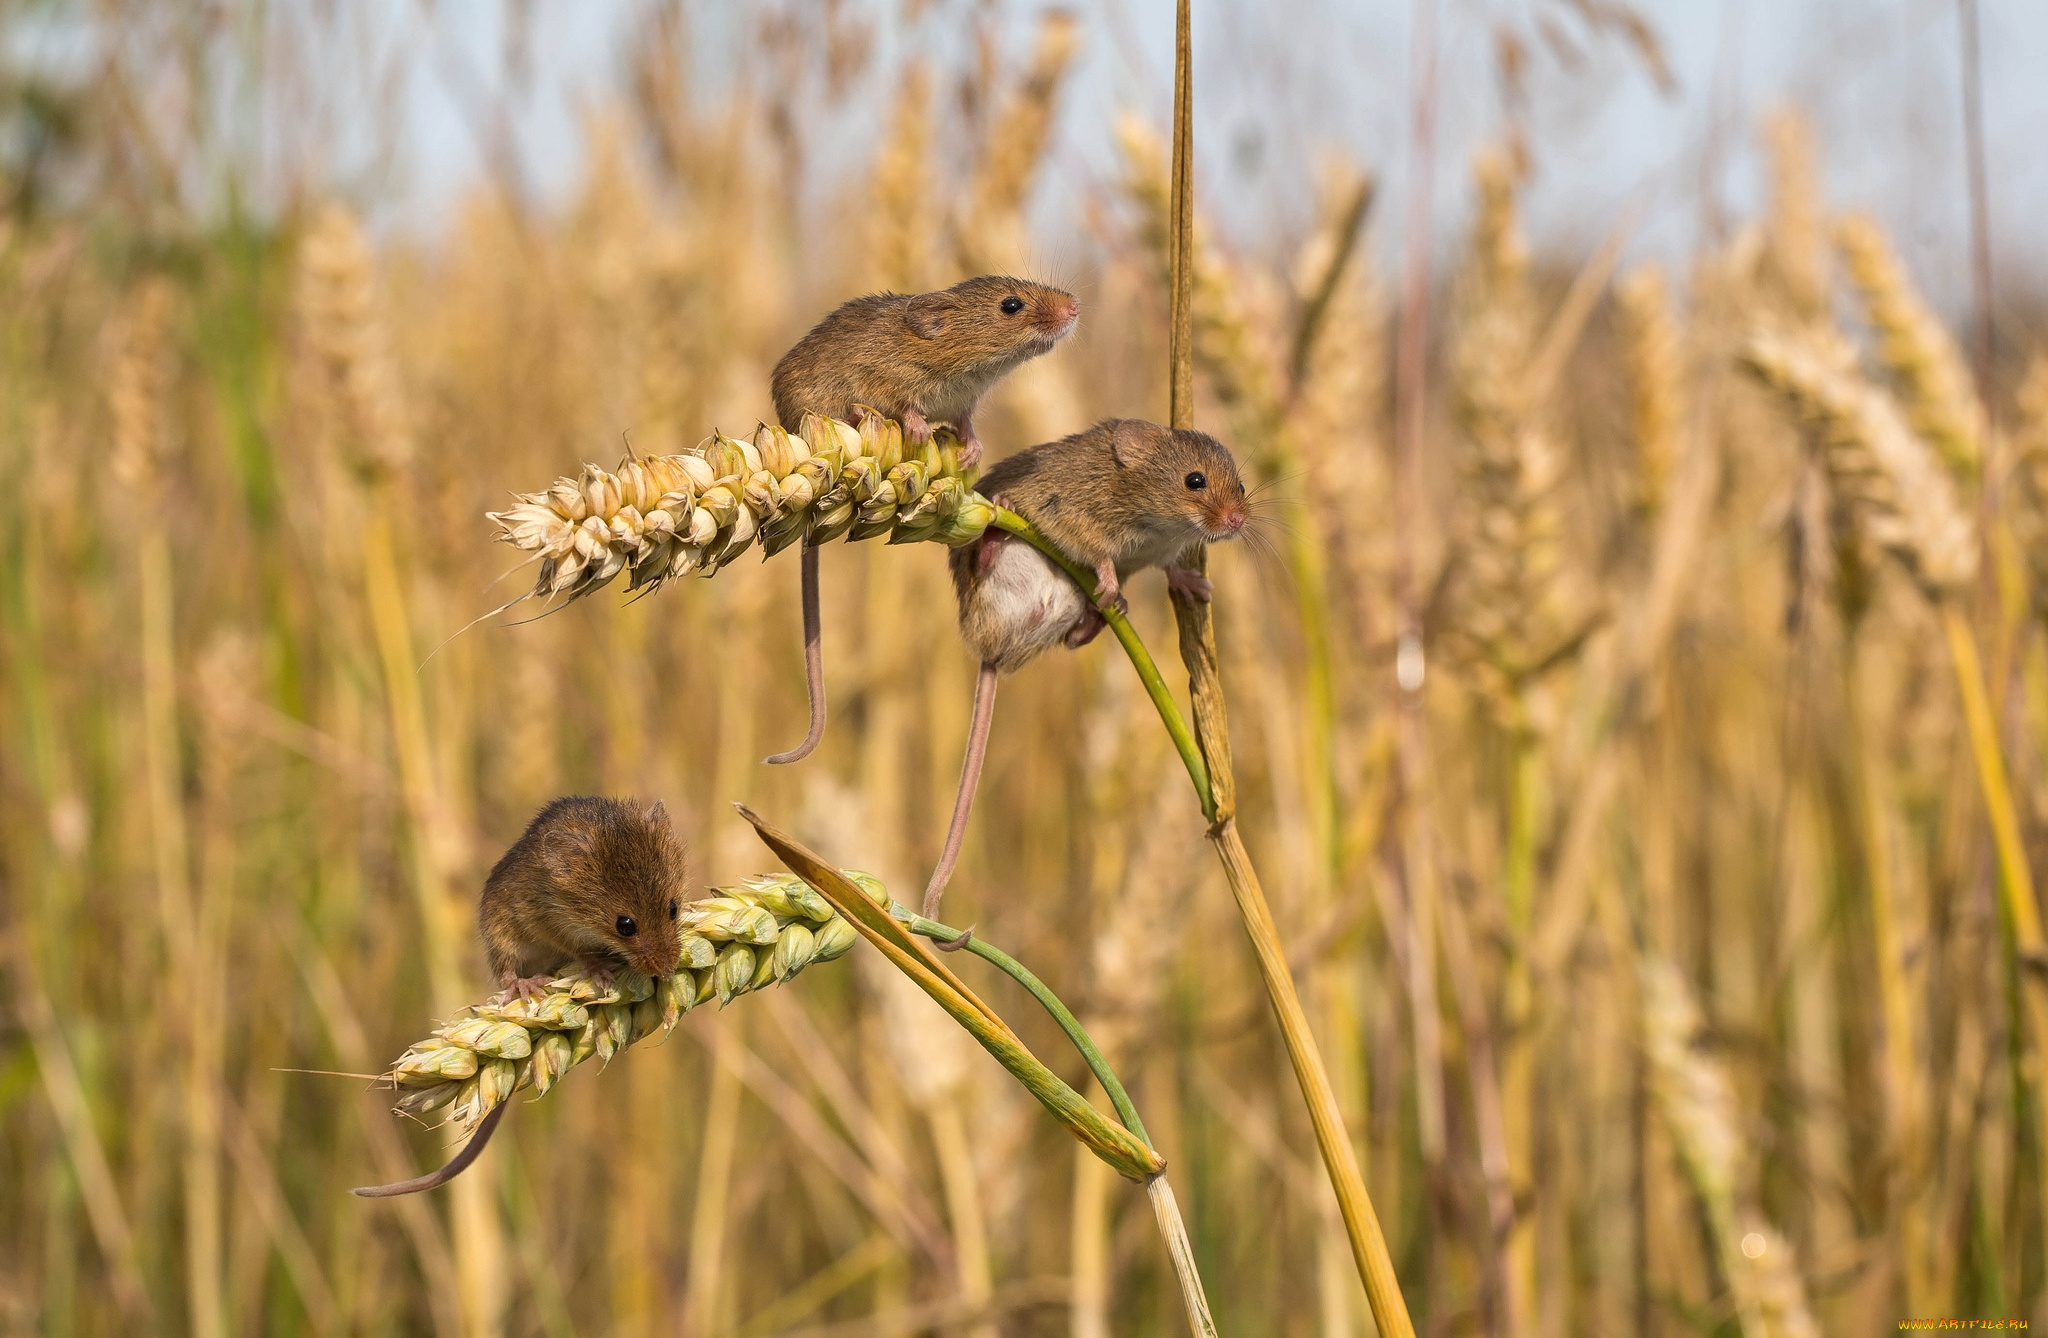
(970, 778)
(814, 662)
(460, 1163)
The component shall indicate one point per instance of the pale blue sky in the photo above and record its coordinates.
(1280, 83)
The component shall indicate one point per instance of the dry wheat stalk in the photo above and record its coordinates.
(1515, 605)
(2030, 493)
(1795, 254)
(1698, 1104)
(1915, 348)
(1655, 351)
(670, 515)
(1017, 141)
(760, 932)
(900, 221)
(1901, 495)
(139, 384)
(1226, 348)
(338, 296)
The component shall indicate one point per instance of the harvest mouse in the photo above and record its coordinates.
(592, 881)
(1122, 496)
(921, 359)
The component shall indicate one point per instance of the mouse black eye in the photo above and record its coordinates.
(627, 926)
(671, 910)
(1012, 305)
(1196, 481)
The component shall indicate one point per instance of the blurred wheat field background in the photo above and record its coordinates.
(1671, 941)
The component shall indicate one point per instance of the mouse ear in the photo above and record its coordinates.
(1124, 441)
(657, 815)
(927, 314)
(560, 849)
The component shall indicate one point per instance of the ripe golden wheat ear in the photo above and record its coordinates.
(760, 932)
(672, 515)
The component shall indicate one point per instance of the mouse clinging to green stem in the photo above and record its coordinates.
(1122, 496)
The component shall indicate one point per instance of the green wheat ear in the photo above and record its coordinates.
(761, 932)
(667, 516)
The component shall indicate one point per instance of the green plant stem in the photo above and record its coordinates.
(1024, 976)
(1116, 1145)
(2016, 879)
(1141, 659)
(1124, 1148)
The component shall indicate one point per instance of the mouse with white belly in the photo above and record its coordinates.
(1122, 496)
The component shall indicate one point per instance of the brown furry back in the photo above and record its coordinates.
(935, 352)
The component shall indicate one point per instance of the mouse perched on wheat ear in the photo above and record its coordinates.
(1122, 496)
(922, 359)
(592, 882)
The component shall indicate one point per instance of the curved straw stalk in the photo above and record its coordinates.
(761, 932)
(667, 516)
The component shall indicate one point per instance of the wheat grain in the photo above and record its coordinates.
(760, 932)
(1655, 353)
(1915, 348)
(1795, 244)
(1514, 606)
(900, 221)
(139, 385)
(339, 300)
(2030, 491)
(1698, 1104)
(668, 516)
(1016, 144)
(1898, 489)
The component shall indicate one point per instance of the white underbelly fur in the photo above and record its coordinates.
(1025, 605)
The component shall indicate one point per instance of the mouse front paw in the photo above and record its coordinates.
(601, 971)
(916, 430)
(1086, 629)
(523, 987)
(1193, 584)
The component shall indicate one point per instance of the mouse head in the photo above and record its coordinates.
(620, 875)
(1188, 474)
(992, 320)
